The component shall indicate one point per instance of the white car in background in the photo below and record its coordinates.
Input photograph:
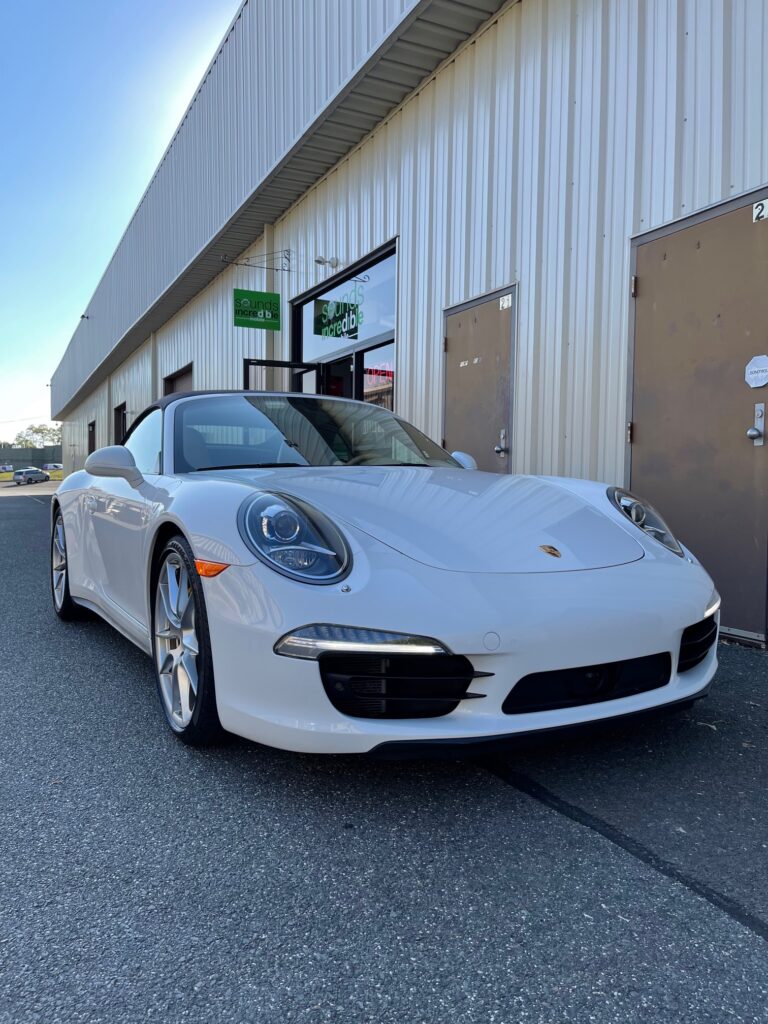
(30, 475)
(315, 574)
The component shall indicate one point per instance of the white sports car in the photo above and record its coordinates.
(315, 574)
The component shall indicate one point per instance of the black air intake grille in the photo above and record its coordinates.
(396, 685)
(573, 687)
(696, 643)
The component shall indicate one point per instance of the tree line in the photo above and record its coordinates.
(36, 435)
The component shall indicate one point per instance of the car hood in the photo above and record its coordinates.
(458, 520)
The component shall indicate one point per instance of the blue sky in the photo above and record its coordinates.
(90, 95)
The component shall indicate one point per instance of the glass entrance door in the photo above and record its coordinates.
(338, 378)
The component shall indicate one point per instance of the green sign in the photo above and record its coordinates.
(337, 319)
(257, 309)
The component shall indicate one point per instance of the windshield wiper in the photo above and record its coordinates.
(251, 465)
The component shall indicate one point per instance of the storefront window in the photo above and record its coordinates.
(349, 330)
(351, 314)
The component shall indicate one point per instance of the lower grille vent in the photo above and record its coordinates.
(573, 687)
(397, 685)
(696, 643)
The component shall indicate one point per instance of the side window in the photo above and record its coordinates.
(145, 442)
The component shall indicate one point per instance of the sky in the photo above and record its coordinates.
(90, 96)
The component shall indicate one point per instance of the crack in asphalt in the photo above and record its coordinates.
(530, 787)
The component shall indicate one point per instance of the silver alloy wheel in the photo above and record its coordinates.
(59, 562)
(176, 646)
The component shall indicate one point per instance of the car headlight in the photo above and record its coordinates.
(645, 517)
(293, 539)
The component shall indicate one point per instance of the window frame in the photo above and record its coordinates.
(356, 350)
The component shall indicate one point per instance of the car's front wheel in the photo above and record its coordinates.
(63, 604)
(182, 647)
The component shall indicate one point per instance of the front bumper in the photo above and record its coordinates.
(510, 625)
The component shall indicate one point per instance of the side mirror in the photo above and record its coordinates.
(464, 460)
(114, 461)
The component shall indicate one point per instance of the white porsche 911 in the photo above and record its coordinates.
(315, 574)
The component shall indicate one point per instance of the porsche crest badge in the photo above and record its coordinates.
(548, 549)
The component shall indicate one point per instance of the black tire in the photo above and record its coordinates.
(204, 726)
(68, 611)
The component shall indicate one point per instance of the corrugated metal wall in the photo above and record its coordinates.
(74, 432)
(132, 384)
(276, 69)
(563, 129)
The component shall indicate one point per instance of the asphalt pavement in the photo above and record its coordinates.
(619, 876)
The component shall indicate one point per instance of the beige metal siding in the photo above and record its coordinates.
(132, 384)
(552, 139)
(557, 134)
(74, 431)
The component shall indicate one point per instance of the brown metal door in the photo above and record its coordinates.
(701, 315)
(184, 380)
(478, 382)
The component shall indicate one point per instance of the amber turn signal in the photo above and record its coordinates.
(210, 568)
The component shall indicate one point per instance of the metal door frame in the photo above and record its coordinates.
(279, 364)
(671, 228)
(460, 307)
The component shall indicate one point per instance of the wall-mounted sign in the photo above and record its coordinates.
(760, 210)
(257, 309)
(756, 373)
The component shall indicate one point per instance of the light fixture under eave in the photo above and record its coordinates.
(333, 262)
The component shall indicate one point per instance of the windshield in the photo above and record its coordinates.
(240, 431)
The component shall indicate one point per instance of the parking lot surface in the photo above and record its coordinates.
(44, 489)
(620, 876)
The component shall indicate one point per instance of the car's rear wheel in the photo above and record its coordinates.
(182, 647)
(63, 604)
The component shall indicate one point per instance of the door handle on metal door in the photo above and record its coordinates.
(756, 432)
(501, 448)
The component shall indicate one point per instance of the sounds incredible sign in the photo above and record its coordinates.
(341, 317)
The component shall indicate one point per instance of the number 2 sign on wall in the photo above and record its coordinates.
(760, 210)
